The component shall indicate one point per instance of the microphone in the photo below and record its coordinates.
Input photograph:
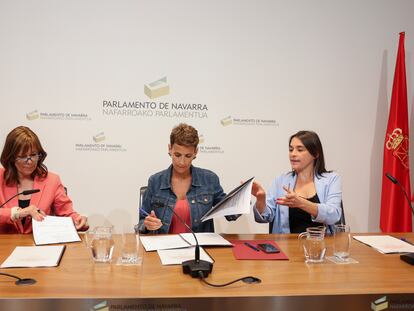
(200, 268)
(25, 192)
(20, 281)
(395, 181)
(196, 266)
(409, 257)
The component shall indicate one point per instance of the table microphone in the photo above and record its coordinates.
(20, 281)
(395, 181)
(200, 268)
(25, 192)
(196, 266)
(409, 257)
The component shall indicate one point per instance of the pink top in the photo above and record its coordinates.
(182, 209)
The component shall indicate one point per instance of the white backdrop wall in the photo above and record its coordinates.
(256, 71)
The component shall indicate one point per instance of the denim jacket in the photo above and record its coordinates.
(328, 188)
(205, 191)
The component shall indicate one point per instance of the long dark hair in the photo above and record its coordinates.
(313, 144)
(21, 140)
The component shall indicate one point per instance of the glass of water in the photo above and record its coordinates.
(342, 242)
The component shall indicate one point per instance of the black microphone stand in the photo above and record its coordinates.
(25, 192)
(409, 257)
(20, 281)
(200, 268)
(196, 266)
(395, 181)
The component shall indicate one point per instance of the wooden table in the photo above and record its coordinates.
(292, 283)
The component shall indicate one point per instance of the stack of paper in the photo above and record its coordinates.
(34, 256)
(385, 244)
(54, 230)
(176, 248)
(179, 255)
(157, 242)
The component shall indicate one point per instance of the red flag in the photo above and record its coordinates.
(395, 211)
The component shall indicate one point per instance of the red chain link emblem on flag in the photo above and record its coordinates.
(398, 143)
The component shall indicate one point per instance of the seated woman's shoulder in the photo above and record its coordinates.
(51, 177)
(330, 175)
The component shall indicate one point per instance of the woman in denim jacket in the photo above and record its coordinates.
(188, 190)
(307, 196)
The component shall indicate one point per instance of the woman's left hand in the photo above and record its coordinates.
(81, 223)
(291, 199)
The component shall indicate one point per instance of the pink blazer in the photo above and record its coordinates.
(51, 199)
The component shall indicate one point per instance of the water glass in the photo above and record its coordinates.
(342, 241)
(129, 249)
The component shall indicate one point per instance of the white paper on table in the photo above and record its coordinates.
(205, 239)
(236, 202)
(54, 230)
(34, 256)
(385, 244)
(177, 256)
(156, 242)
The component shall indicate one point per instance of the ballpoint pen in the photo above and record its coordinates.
(405, 240)
(252, 246)
(144, 212)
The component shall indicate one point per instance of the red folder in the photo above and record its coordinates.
(242, 251)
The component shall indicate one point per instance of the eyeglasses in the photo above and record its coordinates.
(33, 157)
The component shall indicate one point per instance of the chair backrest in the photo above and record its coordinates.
(141, 197)
(342, 220)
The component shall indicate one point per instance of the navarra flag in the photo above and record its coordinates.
(395, 211)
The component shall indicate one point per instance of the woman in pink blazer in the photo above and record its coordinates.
(23, 169)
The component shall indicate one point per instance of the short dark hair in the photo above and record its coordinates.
(184, 135)
(313, 144)
(21, 140)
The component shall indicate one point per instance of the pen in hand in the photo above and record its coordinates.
(144, 212)
(252, 246)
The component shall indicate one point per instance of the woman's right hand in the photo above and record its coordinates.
(260, 194)
(257, 190)
(151, 222)
(32, 211)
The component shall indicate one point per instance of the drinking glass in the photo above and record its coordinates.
(342, 241)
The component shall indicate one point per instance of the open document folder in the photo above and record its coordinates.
(236, 202)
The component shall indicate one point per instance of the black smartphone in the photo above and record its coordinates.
(268, 248)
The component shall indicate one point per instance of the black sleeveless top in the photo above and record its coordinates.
(299, 220)
(24, 204)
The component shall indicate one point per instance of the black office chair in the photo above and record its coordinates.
(341, 221)
(141, 197)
